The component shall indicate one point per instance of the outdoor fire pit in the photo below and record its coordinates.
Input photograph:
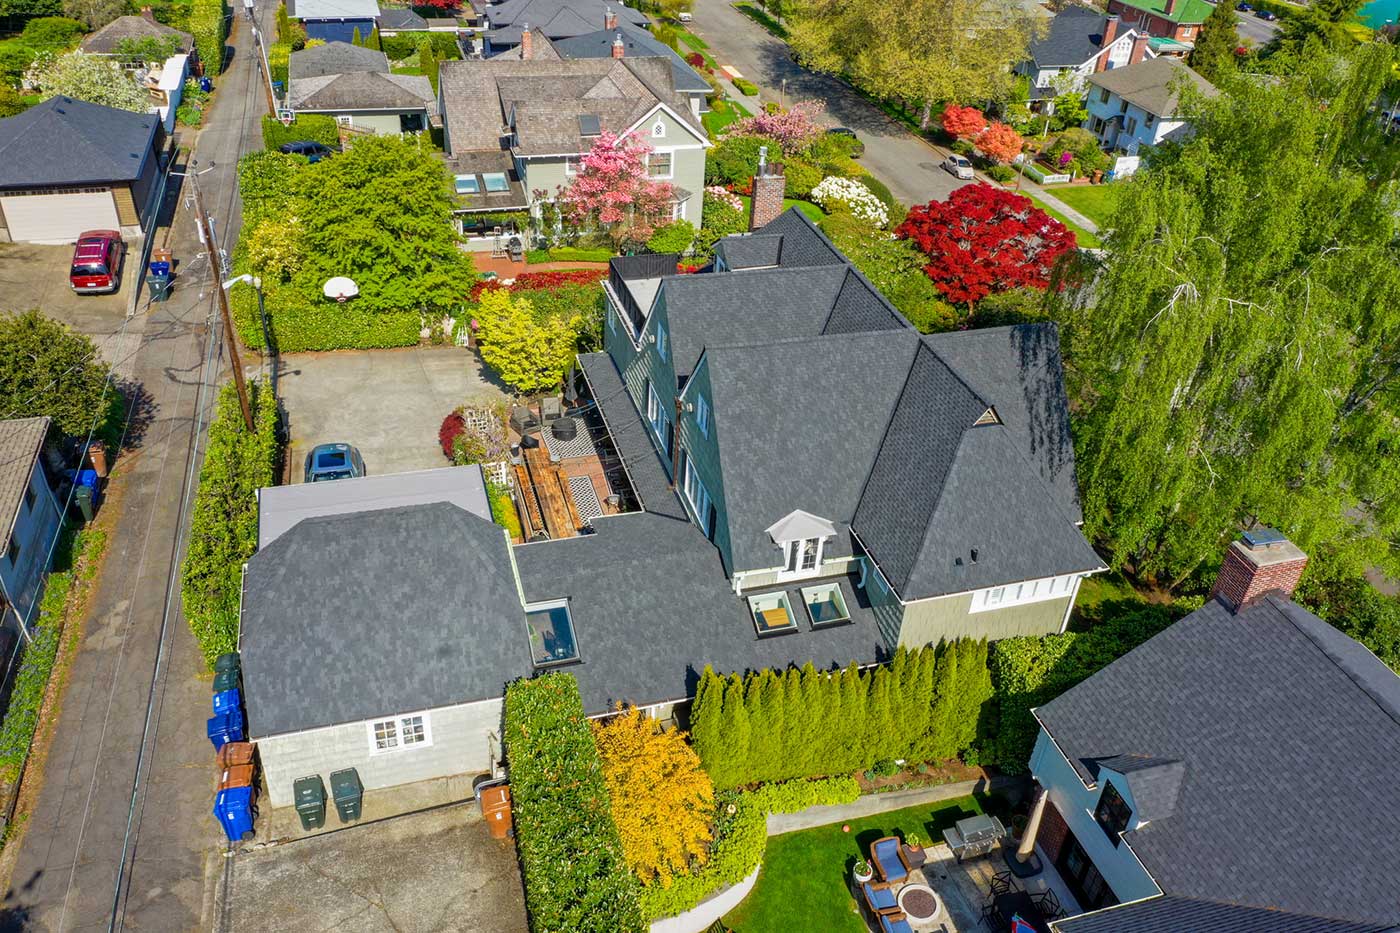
(920, 904)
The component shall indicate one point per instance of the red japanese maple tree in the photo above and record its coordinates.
(984, 240)
(1000, 143)
(963, 122)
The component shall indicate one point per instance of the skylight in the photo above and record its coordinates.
(825, 604)
(496, 181)
(772, 613)
(551, 631)
(588, 125)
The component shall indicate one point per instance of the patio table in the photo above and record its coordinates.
(1019, 904)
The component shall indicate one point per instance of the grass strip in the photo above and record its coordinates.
(763, 19)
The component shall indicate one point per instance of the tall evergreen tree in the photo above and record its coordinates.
(942, 740)
(796, 751)
(357, 39)
(1213, 57)
(879, 717)
(373, 41)
(818, 713)
(974, 689)
(736, 744)
(707, 725)
(850, 751)
(917, 698)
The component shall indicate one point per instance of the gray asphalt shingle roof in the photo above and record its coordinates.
(1290, 736)
(419, 601)
(1154, 84)
(636, 42)
(1074, 36)
(99, 144)
(362, 90)
(557, 19)
(106, 40)
(335, 58)
(400, 19)
(21, 440)
(651, 607)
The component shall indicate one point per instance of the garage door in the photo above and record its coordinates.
(58, 218)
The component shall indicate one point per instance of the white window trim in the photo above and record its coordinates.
(570, 165)
(398, 722)
(1023, 593)
(798, 545)
(658, 129)
(345, 119)
(671, 172)
(702, 415)
(573, 633)
(658, 419)
(702, 508)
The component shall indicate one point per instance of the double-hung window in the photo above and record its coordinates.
(695, 493)
(399, 732)
(659, 164)
(656, 413)
(702, 415)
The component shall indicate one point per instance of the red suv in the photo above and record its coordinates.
(96, 261)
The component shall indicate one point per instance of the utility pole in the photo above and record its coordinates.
(207, 235)
(266, 68)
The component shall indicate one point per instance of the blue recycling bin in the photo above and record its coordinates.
(206, 85)
(226, 700)
(234, 809)
(160, 267)
(224, 728)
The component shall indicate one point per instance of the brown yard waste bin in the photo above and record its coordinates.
(235, 753)
(495, 807)
(237, 776)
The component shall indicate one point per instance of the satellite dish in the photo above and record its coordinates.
(340, 288)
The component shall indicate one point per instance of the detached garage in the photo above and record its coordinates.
(67, 166)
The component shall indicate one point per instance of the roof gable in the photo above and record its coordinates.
(636, 42)
(1074, 36)
(99, 144)
(798, 525)
(106, 40)
(335, 58)
(1153, 84)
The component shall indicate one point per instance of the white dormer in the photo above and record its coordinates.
(802, 537)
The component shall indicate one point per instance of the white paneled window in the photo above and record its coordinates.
(1029, 591)
(702, 415)
(399, 732)
(659, 164)
(656, 412)
(801, 558)
(661, 341)
(695, 492)
(570, 165)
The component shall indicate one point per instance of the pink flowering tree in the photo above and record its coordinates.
(612, 191)
(795, 128)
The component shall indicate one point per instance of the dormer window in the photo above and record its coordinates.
(1113, 814)
(802, 537)
(802, 555)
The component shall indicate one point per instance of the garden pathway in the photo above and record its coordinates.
(870, 804)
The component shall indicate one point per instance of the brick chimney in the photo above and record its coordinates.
(769, 186)
(1110, 32)
(527, 45)
(146, 14)
(1262, 561)
(1170, 6)
(618, 49)
(609, 19)
(1139, 49)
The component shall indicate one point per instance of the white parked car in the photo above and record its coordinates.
(958, 166)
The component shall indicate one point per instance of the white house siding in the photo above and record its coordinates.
(1075, 803)
(1115, 135)
(463, 738)
(35, 530)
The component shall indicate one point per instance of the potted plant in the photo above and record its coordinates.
(863, 871)
(914, 849)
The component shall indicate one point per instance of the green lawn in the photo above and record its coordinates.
(699, 45)
(803, 882)
(1082, 237)
(806, 207)
(763, 19)
(1093, 201)
(721, 114)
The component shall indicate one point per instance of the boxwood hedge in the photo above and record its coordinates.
(576, 879)
(209, 26)
(307, 126)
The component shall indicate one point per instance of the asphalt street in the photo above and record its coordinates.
(122, 829)
(893, 154)
(1255, 32)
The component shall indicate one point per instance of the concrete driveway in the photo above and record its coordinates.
(388, 403)
(904, 162)
(428, 872)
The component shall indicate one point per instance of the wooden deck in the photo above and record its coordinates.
(547, 504)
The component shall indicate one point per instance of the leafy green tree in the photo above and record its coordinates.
(530, 354)
(26, 8)
(943, 714)
(926, 51)
(373, 41)
(48, 369)
(881, 730)
(381, 213)
(795, 727)
(1316, 27)
(674, 237)
(93, 13)
(1237, 355)
(1213, 58)
(428, 62)
(148, 49)
(707, 720)
(11, 102)
(814, 738)
(850, 752)
(51, 33)
(735, 754)
(91, 78)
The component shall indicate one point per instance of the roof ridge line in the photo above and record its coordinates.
(1392, 713)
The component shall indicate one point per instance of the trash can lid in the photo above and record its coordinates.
(346, 784)
(309, 791)
(234, 797)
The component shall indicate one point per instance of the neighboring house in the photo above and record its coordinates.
(335, 20)
(110, 38)
(817, 483)
(1078, 42)
(354, 84)
(556, 19)
(639, 43)
(67, 166)
(1178, 21)
(394, 20)
(166, 85)
(1137, 105)
(517, 126)
(29, 521)
(1234, 773)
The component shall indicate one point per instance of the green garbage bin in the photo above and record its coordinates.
(227, 662)
(348, 792)
(159, 286)
(310, 796)
(226, 680)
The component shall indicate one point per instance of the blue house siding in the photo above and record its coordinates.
(36, 527)
(646, 367)
(1076, 804)
(702, 449)
(337, 30)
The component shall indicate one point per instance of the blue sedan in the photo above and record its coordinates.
(333, 461)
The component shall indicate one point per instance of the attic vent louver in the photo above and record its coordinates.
(588, 124)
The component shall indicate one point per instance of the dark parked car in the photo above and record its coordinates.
(1244, 7)
(857, 147)
(97, 262)
(1266, 14)
(333, 461)
(313, 151)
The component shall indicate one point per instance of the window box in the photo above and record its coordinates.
(772, 614)
(551, 631)
(825, 604)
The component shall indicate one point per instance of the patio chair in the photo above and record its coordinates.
(896, 922)
(1049, 903)
(887, 855)
(1003, 882)
(879, 898)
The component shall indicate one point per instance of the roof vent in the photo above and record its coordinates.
(974, 555)
(1259, 538)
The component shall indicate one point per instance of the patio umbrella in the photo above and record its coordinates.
(1020, 926)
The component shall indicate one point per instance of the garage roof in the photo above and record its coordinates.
(71, 142)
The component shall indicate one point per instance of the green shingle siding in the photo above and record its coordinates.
(704, 455)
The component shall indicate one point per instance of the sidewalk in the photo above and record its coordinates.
(779, 823)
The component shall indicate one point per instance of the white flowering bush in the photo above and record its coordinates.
(720, 193)
(834, 192)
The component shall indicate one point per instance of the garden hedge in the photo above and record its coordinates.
(792, 796)
(298, 324)
(405, 45)
(739, 841)
(576, 878)
(208, 23)
(315, 127)
(224, 527)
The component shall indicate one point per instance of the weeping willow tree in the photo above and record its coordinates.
(1236, 357)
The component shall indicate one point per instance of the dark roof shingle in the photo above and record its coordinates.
(99, 144)
(21, 440)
